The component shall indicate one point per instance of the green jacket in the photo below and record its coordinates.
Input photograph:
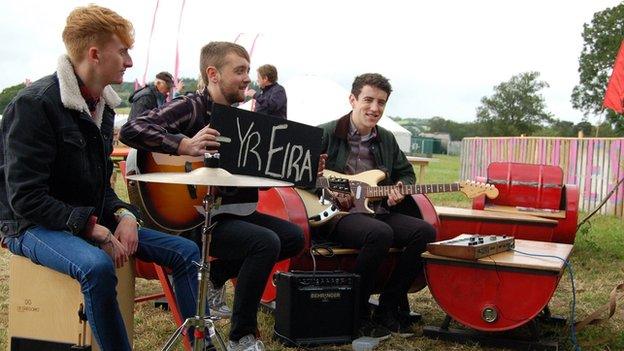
(388, 156)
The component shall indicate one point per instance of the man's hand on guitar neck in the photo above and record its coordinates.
(395, 196)
(204, 141)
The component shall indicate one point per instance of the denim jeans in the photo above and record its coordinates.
(95, 272)
(247, 248)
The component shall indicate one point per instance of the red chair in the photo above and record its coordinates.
(506, 292)
(536, 190)
(285, 203)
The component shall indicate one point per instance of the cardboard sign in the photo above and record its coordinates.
(265, 146)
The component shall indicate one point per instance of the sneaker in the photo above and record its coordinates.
(373, 330)
(216, 303)
(409, 318)
(390, 319)
(246, 343)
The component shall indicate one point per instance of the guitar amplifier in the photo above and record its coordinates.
(316, 308)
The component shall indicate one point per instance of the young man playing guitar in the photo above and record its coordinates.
(354, 144)
(245, 243)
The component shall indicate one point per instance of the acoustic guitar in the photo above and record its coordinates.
(363, 189)
(179, 207)
(172, 207)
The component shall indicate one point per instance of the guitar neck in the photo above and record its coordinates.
(384, 191)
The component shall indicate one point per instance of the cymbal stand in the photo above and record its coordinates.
(200, 321)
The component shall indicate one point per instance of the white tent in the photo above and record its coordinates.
(314, 100)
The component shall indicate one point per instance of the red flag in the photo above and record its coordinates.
(614, 96)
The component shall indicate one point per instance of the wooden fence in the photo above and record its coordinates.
(594, 164)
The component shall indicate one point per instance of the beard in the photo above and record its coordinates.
(232, 95)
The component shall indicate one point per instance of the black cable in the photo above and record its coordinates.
(314, 249)
(291, 341)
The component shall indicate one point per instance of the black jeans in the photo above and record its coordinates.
(374, 236)
(246, 248)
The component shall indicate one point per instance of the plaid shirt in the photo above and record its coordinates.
(162, 129)
(361, 158)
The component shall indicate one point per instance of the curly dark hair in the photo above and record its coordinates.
(374, 80)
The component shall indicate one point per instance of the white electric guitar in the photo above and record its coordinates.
(363, 189)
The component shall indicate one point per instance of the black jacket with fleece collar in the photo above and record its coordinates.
(55, 157)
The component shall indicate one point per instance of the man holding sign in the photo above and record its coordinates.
(245, 243)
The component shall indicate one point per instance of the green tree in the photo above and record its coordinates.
(605, 130)
(515, 108)
(190, 84)
(602, 38)
(585, 127)
(456, 130)
(124, 90)
(8, 94)
(558, 129)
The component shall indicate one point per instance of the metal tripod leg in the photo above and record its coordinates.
(200, 322)
(175, 336)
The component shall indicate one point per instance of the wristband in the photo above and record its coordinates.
(108, 239)
(122, 212)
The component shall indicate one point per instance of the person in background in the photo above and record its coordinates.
(271, 99)
(57, 207)
(355, 143)
(153, 95)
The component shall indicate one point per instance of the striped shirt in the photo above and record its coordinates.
(163, 128)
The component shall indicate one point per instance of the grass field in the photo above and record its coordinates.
(597, 261)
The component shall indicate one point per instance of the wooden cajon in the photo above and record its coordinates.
(44, 304)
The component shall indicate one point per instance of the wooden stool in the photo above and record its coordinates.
(44, 304)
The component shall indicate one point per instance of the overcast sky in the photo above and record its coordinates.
(441, 57)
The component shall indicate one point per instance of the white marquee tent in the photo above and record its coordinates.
(314, 100)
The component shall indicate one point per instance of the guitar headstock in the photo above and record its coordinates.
(473, 189)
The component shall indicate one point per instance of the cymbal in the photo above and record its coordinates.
(210, 177)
